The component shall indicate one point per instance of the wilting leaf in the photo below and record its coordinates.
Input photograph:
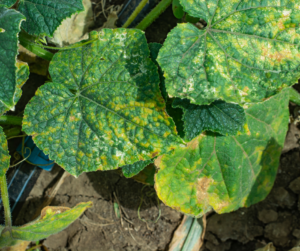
(219, 116)
(104, 108)
(43, 17)
(248, 52)
(10, 24)
(133, 169)
(226, 172)
(52, 221)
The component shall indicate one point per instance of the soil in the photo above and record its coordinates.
(276, 219)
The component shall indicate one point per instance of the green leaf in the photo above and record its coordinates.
(177, 9)
(175, 113)
(4, 154)
(10, 24)
(146, 176)
(52, 221)
(43, 17)
(133, 169)
(22, 74)
(248, 52)
(294, 96)
(219, 116)
(154, 49)
(7, 3)
(226, 172)
(104, 108)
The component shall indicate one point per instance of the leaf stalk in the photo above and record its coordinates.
(11, 120)
(5, 201)
(149, 19)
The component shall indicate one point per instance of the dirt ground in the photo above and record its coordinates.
(276, 219)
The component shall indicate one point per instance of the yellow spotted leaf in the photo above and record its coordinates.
(104, 108)
(4, 154)
(248, 51)
(10, 21)
(51, 221)
(226, 172)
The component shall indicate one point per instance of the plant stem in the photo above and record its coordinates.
(160, 8)
(34, 48)
(134, 14)
(5, 201)
(11, 120)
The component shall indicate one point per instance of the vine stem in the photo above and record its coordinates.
(10, 120)
(37, 50)
(134, 14)
(5, 201)
(160, 8)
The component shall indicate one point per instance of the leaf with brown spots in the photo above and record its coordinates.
(226, 172)
(104, 108)
(52, 221)
(248, 51)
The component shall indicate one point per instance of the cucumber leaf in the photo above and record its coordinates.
(154, 49)
(248, 52)
(43, 17)
(22, 75)
(10, 21)
(146, 176)
(4, 154)
(52, 221)
(226, 172)
(7, 3)
(133, 169)
(104, 108)
(219, 116)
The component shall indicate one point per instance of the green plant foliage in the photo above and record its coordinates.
(248, 51)
(226, 172)
(43, 17)
(133, 169)
(22, 75)
(154, 49)
(175, 113)
(52, 221)
(146, 176)
(10, 24)
(104, 108)
(7, 3)
(219, 116)
(4, 154)
(177, 9)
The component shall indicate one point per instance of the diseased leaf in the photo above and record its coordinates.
(43, 17)
(7, 3)
(104, 108)
(249, 51)
(219, 116)
(22, 75)
(226, 172)
(52, 221)
(133, 169)
(4, 154)
(10, 24)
